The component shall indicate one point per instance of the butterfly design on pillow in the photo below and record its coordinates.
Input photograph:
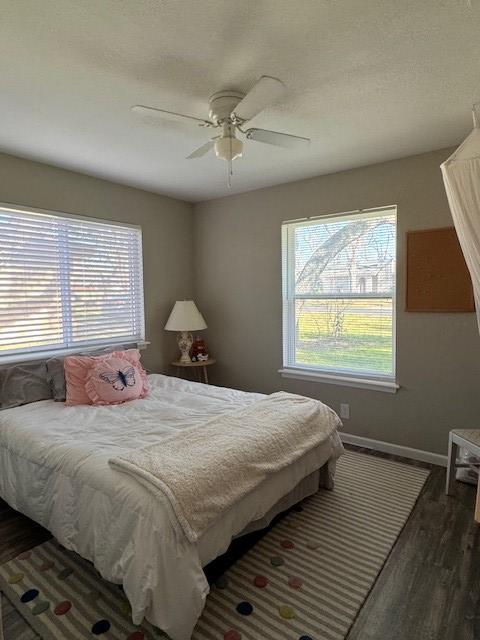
(119, 379)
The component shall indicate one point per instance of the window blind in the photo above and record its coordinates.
(339, 293)
(67, 282)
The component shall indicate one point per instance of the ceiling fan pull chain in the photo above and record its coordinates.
(230, 165)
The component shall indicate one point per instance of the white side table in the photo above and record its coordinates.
(199, 367)
(468, 439)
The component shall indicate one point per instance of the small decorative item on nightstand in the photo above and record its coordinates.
(199, 350)
(185, 317)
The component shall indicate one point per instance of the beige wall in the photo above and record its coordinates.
(166, 226)
(238, 289)
(237, 284)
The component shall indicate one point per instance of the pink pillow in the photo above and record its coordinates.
(114, 381)
(77, 374)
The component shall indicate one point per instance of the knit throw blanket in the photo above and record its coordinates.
(206, 469)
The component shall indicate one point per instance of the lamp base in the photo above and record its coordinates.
(185, 341)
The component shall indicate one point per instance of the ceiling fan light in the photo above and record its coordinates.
(228, 148)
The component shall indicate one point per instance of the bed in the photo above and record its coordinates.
(54, 468)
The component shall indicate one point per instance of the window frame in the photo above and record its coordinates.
(341, 376)
(39, 353)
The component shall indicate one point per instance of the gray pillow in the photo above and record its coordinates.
(56, 372)
(23, 383)
(56, 379)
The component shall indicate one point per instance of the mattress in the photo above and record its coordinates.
(54, 468)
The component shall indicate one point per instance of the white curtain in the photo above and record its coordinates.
(461, 175)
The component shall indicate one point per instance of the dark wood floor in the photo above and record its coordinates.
(429, 588)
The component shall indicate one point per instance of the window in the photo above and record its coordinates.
(67, 282)
(339, 296)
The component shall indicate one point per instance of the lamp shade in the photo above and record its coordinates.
(185, 317)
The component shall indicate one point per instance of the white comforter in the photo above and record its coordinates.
(54, 468)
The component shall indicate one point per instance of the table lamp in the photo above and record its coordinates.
(184, 318)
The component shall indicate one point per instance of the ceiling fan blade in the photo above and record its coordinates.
(201, 151)
(264, 92)
(162, 114)
(276, 138)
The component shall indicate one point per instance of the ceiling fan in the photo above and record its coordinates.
(229, 111)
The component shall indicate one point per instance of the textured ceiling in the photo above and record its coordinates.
(368, 80)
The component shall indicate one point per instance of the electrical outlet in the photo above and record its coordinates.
(345, 411)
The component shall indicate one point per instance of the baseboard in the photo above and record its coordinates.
(395, 449)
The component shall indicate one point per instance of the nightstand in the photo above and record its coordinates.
(468, 439)
(198, 367)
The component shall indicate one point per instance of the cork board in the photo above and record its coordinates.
(437, 276)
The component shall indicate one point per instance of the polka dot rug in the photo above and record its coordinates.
(306, 579)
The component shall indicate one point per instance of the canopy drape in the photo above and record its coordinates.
(461, 175)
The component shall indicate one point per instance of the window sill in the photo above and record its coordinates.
(36, 356)
(309, 375)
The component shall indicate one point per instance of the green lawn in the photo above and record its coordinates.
(363, 343)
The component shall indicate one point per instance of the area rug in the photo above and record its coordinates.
(306, 579)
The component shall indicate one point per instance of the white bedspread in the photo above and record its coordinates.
(208, 469)
(54, 468)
